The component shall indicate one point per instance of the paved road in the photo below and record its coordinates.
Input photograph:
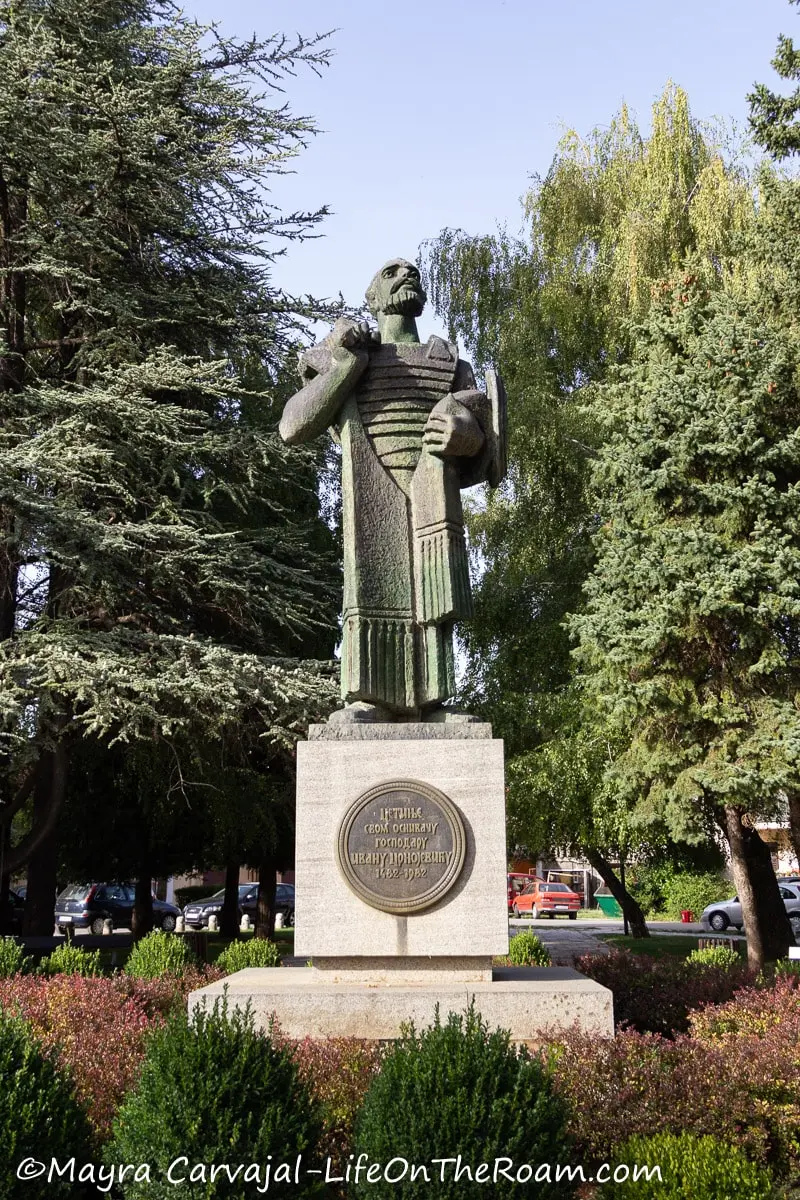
(567, 940)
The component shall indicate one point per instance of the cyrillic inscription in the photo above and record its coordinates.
(401, 846)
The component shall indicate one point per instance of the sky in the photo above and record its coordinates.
(437, 114)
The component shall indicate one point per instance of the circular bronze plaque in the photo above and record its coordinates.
(401, 846)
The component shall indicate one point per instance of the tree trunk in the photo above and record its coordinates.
(142, 916)
(624, 899)
(40, 897)
(766, 924)
(794, 824)
(229, 917)
(5, 880)
(265, 913)
(54, 791)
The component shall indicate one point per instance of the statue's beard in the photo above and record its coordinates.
(407, 301)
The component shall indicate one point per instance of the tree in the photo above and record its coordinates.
(772, 116)
(157, 581)
(690, 638)
(615, 213)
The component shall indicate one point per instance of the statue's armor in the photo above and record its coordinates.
(406, 577)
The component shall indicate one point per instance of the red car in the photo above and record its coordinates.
(517, 881)
(542, 899)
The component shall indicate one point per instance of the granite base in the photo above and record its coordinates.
(533, 1003)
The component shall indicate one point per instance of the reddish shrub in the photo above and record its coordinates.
(95, 1028)
(339, 1071)
(737, 1075)
(655, 995)
(754, 1012)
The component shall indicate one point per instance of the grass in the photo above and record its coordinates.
(667, 945)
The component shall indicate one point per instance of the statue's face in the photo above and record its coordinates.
(397, 289)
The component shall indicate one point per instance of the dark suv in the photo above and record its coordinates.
(197, 912)
(87, 905)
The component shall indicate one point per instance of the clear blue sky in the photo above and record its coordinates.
(436, 113)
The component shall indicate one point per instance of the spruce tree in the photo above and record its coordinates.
(690, 642)
(616, 212)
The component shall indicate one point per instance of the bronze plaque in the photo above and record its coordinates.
(401, 846)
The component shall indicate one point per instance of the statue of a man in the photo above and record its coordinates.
(414, 431)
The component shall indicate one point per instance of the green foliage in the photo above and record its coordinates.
(714, 956)
(455, 1088)
(13, 959)
(39, 1117)
(217, 1091)
(688, 639)
(177, 575)
(773, 118)
(616, 212)
(690, 1166)
(255, 952)
(787, 968)
(686, 890)
(525, 949)
(68, 959)
(159, 954)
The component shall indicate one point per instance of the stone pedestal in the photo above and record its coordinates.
(336, 767)
(400, 894)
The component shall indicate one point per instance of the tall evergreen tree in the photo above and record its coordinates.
(690, 641)
(162, 566)
(615, 213)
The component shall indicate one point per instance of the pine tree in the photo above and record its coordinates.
(162, 569)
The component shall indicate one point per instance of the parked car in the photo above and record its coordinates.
(542, 899)
(197, 912)
(516, 882)
(724, 913)
(88, 905)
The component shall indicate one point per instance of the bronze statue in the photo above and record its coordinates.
(414, 431)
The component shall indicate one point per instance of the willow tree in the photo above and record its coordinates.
(616, 212)
(161, 565)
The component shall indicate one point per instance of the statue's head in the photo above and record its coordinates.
(396, 288)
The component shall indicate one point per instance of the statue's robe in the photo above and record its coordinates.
(406, 577)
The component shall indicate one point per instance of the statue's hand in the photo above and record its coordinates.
(452, 432)
(347, 338)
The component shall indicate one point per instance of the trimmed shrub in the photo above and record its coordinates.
(656, 995)
(787, 968)
(159, 954)
(690, 1166)
(13, 959)
(457, 1089)
(526, 950)
(714, 956)
(213, 1088)
(255, 952)
(68, 959)
(39, 1116)
(688, 889)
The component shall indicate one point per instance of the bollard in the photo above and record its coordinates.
(213, 924)
(108, 926)
(279, 920)
(180, 925)
(245, 925)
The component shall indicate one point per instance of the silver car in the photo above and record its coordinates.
(722, 913)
